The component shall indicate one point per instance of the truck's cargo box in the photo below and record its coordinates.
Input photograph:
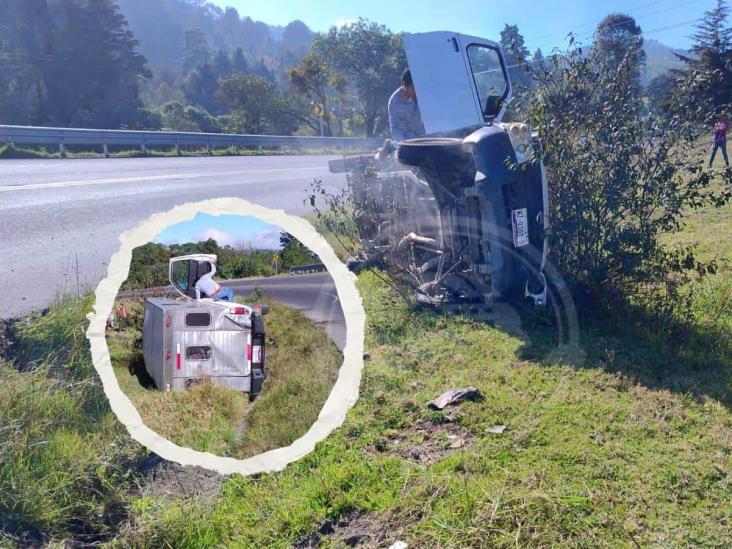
(185, 342)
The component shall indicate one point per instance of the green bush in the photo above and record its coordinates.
(619, 180)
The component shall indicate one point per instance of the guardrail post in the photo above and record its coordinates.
(61, 149)
(208, 149)
(143, 147)
(106, 150)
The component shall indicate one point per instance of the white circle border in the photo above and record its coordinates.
(342, 397)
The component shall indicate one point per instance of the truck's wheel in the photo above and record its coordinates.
(415, 152)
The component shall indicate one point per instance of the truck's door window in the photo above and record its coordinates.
(489, 76)
(180, 275)
(199, 352)
(198, 319)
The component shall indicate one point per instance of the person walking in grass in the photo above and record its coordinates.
(720, 139)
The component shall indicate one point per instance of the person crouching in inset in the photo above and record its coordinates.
(206, 285)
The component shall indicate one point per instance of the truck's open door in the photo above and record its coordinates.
(460, 80)
(186, 270)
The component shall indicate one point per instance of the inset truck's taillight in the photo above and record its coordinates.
(240, 311)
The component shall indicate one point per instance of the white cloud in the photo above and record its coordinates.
(221, 237)
(345, 21)
(267, 239)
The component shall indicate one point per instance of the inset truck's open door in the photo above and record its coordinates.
(461, 81)
(186, 270)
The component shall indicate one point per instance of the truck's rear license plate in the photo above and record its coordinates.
(520, 226)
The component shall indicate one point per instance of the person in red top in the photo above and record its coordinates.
(720, 139)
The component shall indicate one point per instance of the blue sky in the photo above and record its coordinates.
(544, 23)
(235, 230)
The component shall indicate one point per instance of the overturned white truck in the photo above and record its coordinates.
(461, 214)
(189, 340)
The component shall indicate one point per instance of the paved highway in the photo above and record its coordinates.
(313, 294)
(61, 219)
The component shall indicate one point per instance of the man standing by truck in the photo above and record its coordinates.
(405, 120)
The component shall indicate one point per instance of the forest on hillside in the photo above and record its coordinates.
(188, 65)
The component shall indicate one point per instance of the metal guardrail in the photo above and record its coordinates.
(39, 135)
(309, 268)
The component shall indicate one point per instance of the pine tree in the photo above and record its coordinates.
(195, 49)
(239, 62)
(710, 61)
(221, 64)
(516, 54)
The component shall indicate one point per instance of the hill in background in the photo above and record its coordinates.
(660, 58)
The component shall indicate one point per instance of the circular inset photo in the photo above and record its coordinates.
(227, 335)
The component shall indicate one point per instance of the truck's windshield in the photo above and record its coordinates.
(490, 79)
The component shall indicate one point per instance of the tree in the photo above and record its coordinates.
(27, 40)
(76, 64)
(294, 252)
(372, 59)
(200, 89)
(239, 62)
(314, 80)
(195, 49)
(258, 105)
(710, 64)
(660, 93)
(221, 64)
(174, 117)
(262, 70)
(619, 182)
(616, 37)
(516, 55)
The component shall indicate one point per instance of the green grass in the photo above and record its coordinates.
(591, 456)
(64, 459)
(630, 447)
(302, 365)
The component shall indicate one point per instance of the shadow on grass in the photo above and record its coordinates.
(136, 367)
(678, 356)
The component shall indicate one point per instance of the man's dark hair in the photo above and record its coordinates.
(407, 78)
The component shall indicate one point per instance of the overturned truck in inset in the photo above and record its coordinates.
(460, 215)
(190, 339)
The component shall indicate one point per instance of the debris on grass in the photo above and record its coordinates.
(426, 442)
(496, 429)
(455, 396)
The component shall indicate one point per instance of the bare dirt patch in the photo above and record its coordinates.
(168, 480)
(356, 529)
(425, 442)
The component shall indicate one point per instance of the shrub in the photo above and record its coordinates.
(618, 181)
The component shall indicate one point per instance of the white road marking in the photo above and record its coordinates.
(87, 182)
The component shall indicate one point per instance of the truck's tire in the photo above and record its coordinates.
(415, 152)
